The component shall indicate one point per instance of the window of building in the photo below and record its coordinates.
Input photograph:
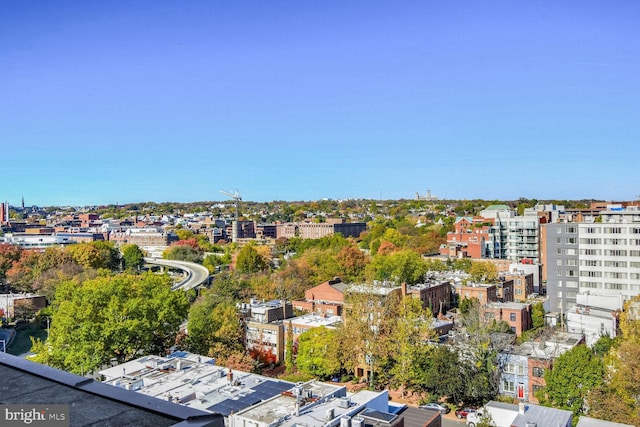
(538, 372)
(591, 273)
(559, 272)
(559, 261)
(590, 241)
(615, 252)
(571, 251)
(571, 240)
(508, 386)
(614, 263)
(512, 317)
(571, 230)
(590, 252)
(634, 253)
(615, 242)
(571, 284)
(571, 262)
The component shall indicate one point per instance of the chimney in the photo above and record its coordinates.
(521, 408)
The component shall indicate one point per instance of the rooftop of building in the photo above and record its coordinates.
(314, 320)
(92, 403)
(509, 305)
(593, 422)
(327, 407)
(590, 311)
(497, 207)
(548, 347)
(542, 416)
(194, 381)
(377, 288)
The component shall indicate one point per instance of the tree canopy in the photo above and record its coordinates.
(214, 328)
(574, 374)
(317, 352)
(113, 317)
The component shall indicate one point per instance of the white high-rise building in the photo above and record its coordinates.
(609, 254)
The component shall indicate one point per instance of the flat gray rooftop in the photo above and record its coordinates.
(92, 403)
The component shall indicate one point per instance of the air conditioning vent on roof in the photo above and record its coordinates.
(344, 402)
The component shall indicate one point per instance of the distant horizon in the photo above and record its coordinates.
(230, 201)
(106, 102)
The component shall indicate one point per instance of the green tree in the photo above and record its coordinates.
(213, 326)
(617, 398)
(183, 253)
(574, 374)
(288, 352)
(410, 332)
(109, 317)
(439, 372)
(214, 260)
(184, 234)
(402, 266)
(132, 255)
(109, 254)
(352, 262)
(483, 272)
(249, 260)
(537, 315)
(317, 350)
(467, 304)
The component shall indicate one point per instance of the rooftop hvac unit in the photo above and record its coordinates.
(357, 422)
(345, 421)
(344, 402)
(531, 424)
(330, 414)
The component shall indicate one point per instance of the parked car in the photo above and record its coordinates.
(436, 407)
(463, 412)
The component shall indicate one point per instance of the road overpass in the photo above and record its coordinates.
(195, 274)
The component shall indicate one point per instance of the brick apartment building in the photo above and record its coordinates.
(517, 315)
(326, 298)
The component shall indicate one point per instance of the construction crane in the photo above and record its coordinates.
(236, 198)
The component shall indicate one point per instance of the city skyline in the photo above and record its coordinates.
(159, 101)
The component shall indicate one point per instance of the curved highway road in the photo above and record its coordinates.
(195, 274)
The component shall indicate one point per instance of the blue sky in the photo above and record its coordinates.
(118, 101)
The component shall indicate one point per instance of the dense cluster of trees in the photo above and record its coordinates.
(111, 317)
